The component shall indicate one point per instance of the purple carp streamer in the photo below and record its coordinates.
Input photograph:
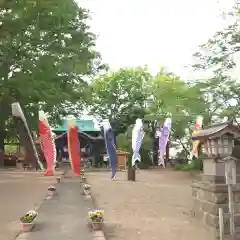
(137, 137)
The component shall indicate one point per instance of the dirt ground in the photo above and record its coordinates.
(156, 206)
(20, 191)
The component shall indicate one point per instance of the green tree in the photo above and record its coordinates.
(175, 98)
(218, 57)
(46, 52)
(121, 96)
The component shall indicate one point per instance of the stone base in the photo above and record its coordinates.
(207, 198)
(214, 179)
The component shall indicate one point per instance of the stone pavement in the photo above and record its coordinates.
(64, 217)
(156, 206)
(20, 191)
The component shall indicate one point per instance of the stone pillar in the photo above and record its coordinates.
(209, 193)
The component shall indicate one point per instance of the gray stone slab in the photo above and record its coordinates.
(64, 217)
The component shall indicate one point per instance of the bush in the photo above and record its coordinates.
(196, 164)
(145, 161)
(124, 143)
(179, 167)
(144, 165)
(188, 167)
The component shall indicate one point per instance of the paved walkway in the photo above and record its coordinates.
(156, 206)
(20, 191)
(64, 216)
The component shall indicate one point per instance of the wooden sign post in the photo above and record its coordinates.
(221, 223)
(131, 170)
(230, 175)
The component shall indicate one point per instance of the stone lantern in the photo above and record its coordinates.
(219, 146)
(218, 142)
(210, 191)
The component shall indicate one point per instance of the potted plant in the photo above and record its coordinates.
(28, 220)
(51, 190)
(86, 186)
(82, 172)
(84, 179)
(96, 219)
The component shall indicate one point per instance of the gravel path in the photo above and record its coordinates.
(156, 206)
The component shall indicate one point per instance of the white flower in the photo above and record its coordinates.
(87, 186)
(51, 188)
(32, 213)
(100, 211)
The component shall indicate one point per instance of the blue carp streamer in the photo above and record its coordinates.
(110, 147)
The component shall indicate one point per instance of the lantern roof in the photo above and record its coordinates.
(230, 158)
(216, 131)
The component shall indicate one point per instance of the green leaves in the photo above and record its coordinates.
(121, 96)
(46, 50)
(217, 56)
(117, 92)
(171, 95)
(128, 94)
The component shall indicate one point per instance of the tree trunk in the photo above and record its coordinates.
(5, 111)
(184, 147)
(2, 138)
(155, 150)
(167, 151)
(25, 140)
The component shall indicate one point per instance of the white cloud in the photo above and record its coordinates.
(154, 32)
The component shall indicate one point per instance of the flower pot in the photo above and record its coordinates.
(51, 193)
(88, 197)
(97, 226)
(84, 180)
(27, 227)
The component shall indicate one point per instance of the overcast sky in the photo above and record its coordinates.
(154, 32)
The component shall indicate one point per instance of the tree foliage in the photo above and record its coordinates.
(173, 97)
(120, 96)
(46, 52)
(128, 94)
(218, 57)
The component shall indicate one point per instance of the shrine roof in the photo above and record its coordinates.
(83, 126)
(216, 129)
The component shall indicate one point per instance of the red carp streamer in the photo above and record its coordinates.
(74, 147)
(47, 144)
